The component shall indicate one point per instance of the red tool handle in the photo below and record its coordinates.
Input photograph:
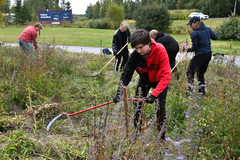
(73, 114)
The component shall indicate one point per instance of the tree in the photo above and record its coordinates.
(5, 7)
(152, 17)
(68, 5)
(17, 11)
(96, 11)
(182, 4)
(116, 14)
(2, 2)
(89, 11)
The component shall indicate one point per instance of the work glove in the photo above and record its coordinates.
(116, 99)
(189, 50)
(150, 99)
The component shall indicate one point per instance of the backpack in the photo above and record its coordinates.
(106, 51)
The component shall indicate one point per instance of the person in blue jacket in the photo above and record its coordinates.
(201, 45)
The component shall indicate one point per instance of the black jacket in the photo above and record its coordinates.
(119, 40)
(168, 42)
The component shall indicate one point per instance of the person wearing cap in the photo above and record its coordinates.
(170, 44)
(120, 38)
(201, 45)
(29, 37)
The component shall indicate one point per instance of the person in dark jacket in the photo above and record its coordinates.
(169, 43)
(201, 44)
(120, 38)
(150, 60)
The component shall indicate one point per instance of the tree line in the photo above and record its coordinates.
(27, 10)
(213, 8)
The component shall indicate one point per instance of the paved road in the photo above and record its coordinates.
(97, 50)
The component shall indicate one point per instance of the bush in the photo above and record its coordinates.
(99, 24)
(152, 17)
(230, 29)
(180, 14)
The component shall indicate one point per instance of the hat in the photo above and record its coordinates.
(193, 19)
(39, 25)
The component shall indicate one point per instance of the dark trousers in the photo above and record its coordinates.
(161, 110)
(172, 59)
(199, 64)
(125, 56)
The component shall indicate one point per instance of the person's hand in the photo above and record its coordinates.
(150, 99)
(116, 99)
(189, 50)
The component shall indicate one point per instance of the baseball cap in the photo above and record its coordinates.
(193, 19)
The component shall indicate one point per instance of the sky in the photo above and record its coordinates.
(78, 6)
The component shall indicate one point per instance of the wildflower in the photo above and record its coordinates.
(195, 140)
(184, 101)
(189, 84)
(198, 97)
(187, 113)
(204, 108)
(178, 138)
(197, 106)
(188, 140)
(197, 133)
(201, 93)
(166, 154)
(203, 85)
(180, 157)
(195, 147)
(201, 130)
(167, 139)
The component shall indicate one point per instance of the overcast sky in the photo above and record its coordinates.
(78, 6)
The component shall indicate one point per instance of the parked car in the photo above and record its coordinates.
(198, 14)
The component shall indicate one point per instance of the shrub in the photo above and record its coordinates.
(99, 24)
(152, 17)
(230, 29)
(180, 14)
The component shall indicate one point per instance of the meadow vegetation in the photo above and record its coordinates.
(33, 91)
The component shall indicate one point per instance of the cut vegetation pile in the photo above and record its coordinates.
(33, 91)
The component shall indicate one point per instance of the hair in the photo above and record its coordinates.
(123, 26)
(153, 33)
(39, 25)
(140, 36)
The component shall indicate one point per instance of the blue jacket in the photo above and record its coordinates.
(201, 39)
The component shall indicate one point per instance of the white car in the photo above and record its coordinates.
(200, 15)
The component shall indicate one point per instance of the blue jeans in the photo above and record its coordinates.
(26, 47)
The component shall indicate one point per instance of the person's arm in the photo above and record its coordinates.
(125, 79)
(213, 35)
(164, 73)
(34, 39)
(194, 42)
(114, 44)
(128, 35)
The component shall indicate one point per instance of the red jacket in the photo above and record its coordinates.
(155, 68)
(29, 34)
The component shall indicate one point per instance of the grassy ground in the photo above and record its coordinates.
(97, 37)
(34, 91)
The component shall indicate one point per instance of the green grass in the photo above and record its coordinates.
(95, 37)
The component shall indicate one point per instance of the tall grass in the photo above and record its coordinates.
(34, 91)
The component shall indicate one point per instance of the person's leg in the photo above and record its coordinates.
(140, 93)
(172, 61)
(161, 112)
(125, 59)
(117, 62)
(202, 71)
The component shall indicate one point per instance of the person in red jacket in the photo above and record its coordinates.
(150, 60)
(29, 36)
